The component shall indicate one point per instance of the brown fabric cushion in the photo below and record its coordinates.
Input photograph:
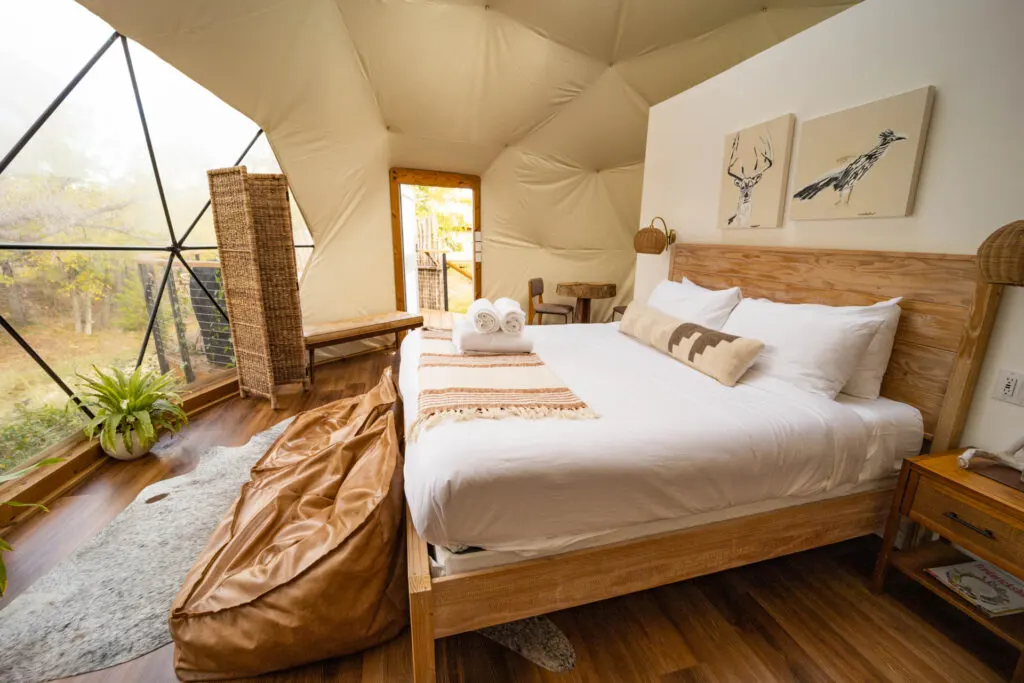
(309, 563)
(721, 356)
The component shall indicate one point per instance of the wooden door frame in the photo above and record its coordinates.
(417, 176)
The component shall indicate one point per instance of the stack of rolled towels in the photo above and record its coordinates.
(492, 328)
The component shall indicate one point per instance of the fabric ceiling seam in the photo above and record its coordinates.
(569, 159)
(756, 7)
(616, 44)
(180, 30)
(364, 69)
(636, 93)
(606, 177)
(692, 39)
(776, 37)
(361, 62)
(547, 36)
(515, 142)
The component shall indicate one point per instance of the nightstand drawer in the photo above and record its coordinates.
(967, 522)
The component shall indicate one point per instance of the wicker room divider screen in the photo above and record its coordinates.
(252, 219)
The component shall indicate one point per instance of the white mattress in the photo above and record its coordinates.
(670, 443)
(445, 562)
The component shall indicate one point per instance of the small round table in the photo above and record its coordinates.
(584, 292)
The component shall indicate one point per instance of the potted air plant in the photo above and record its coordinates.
(130, 409)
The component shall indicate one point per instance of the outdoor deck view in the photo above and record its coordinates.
(437, 227)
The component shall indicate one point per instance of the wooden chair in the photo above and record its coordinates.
(540, 309)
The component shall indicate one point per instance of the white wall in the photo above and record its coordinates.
(972, 180)
(411, 273)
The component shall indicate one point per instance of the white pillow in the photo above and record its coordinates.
(866, 381)
(694, 304)
(809, 348)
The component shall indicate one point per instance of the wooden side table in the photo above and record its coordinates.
(584, 293)
(966, 509)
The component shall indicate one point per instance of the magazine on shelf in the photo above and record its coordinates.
(984, 585)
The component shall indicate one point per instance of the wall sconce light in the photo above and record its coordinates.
(651, 240)
(1001, 256)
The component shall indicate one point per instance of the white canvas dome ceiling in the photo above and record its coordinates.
(545, 99)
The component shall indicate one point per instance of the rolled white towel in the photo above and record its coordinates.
(964, 459)
(467, 340)
(510, 315)
(484, 316)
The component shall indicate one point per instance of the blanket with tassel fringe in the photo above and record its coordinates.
(458, 387)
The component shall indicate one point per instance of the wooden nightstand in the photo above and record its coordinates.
(965, 508)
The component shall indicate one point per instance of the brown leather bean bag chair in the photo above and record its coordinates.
(309, 563)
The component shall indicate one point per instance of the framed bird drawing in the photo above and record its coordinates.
(862, 162)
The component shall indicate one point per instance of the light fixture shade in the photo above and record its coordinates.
(1001, 255)
(651, 240)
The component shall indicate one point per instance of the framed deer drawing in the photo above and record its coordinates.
(754, 174)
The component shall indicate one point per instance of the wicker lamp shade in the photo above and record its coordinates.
(652, 240)
(1001, 256)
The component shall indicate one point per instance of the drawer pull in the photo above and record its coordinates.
(987, 533)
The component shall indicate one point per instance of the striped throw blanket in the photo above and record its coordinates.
(461, 387)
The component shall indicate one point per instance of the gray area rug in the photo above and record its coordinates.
(108, 602)
(538, 640)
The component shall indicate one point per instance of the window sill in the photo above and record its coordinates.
(84, 456)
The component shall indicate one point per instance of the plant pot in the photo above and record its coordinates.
(139, 448)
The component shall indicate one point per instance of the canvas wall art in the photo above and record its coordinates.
(754, 174)
(862, 162)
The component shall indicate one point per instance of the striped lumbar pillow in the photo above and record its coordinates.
(721, 356)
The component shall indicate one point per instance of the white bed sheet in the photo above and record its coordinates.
(669, 443)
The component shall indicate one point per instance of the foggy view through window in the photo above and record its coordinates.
(86, 178)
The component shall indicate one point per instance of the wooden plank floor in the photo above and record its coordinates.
(807, 617)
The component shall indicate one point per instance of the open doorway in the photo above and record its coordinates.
(435, 232)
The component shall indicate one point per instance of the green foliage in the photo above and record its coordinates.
(11, 476)
(450, 208)
(59, 210)
(138, 404)
(460, 291)
(130, 303)
(32, 430)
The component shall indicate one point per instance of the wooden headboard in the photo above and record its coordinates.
(944, 328)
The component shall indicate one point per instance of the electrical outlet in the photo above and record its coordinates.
(1009, 387)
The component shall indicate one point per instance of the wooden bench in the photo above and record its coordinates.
(354, 329)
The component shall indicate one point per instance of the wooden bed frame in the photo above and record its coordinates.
(944, 329)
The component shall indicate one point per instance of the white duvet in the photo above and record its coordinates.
(668, 442)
